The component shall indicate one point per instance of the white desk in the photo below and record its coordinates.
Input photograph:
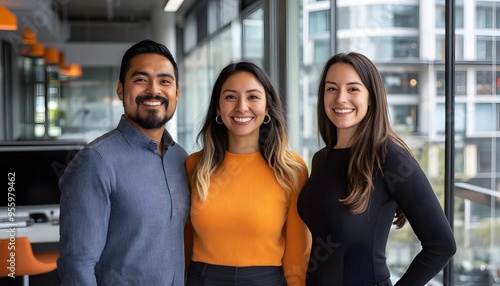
(42, 232)
(37, 233)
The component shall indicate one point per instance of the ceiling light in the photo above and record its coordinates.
(51, 56)
(8, 21)
(172, 5)
(73, 70)
(37, 50)
(29, 36)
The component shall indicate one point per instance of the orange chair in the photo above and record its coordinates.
(17, 259)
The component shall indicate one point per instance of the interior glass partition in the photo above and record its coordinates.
(7, 88)
(33, 88)
(40, 93)
(53, 98)
(89, 106)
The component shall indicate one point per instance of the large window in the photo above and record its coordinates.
(441, 45)
(460, 83)
(241, 38)
(487, 162)
(319, 22)
(460, 118)
(392, 35)
(487, 82)
(194, 98)
(441, 13)
(488, 15)
(487, 48)
(404, 117)
(253, 37)
(383, 48)
(321, 51)
(378, 16)
(487, 116)
(401, 82)
(396, 47)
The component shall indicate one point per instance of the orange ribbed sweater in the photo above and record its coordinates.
(248, 219)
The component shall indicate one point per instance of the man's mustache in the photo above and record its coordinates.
(142, 98)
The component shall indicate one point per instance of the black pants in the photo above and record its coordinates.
(385, 283)
(203, 274)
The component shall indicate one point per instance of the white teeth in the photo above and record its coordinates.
(343, 110)
(242, 120)
(151, 103)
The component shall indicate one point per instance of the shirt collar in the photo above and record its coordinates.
(137, 139)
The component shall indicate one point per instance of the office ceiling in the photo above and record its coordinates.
(115, 10)
(95, 10)
(55, 20)
(110, 10)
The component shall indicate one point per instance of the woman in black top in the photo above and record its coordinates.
(364, 180)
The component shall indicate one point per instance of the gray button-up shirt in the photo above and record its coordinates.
(123, 210)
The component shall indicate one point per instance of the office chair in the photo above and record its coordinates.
(26, 262)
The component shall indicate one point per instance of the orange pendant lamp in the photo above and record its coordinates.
(29, 36)
(37, 50)
(72, 70)
(51, 56)
(8, 21)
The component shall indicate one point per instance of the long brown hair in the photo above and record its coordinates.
(373, 134)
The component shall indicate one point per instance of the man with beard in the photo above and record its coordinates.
(125, 197)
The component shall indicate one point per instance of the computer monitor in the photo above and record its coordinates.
(32, 171)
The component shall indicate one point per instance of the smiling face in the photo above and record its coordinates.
(149, 92)
(242, 107)
(346, 99)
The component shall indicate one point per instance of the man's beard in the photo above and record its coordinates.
(151, 120)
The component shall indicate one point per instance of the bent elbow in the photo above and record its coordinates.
(449, 247)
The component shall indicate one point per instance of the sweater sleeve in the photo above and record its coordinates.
(190, 165)
(297, 238)
(412, 191)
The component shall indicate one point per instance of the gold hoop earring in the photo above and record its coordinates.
(218, 119)
(267, 120)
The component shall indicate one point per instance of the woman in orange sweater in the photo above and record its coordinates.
(244, 227)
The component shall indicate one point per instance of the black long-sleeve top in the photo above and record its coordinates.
(349, 249)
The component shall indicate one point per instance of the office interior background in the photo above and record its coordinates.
(69, 97)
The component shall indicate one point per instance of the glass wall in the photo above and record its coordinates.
(478, 226)
(33, 90)
(407, 42)
(90, 105)
(242, 38)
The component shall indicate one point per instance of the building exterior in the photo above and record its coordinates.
(292, 39)
(406, 39)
